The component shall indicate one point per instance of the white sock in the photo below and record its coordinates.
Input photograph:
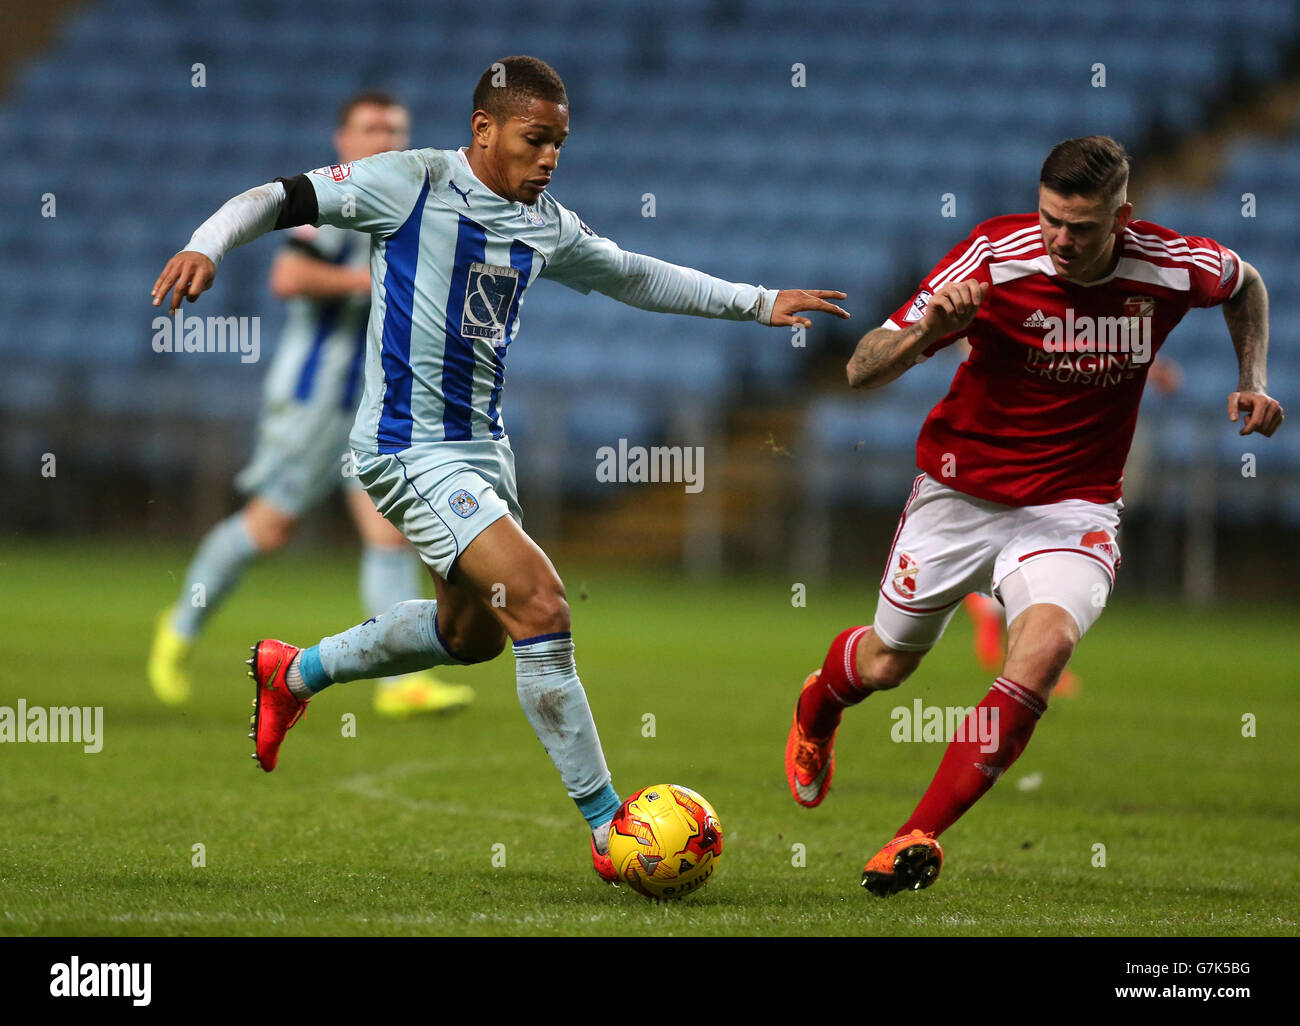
(601, 836)
(293, 680)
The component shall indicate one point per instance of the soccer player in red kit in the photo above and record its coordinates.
(1022, 463)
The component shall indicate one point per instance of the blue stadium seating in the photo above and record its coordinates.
(838, 182)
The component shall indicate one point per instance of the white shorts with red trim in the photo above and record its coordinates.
(949, 544)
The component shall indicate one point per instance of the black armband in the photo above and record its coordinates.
(300, 206)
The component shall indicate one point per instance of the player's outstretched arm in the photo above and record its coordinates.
(587, 261)
(375, 195)
(652, 284)
(883, 354)
(1246, 315)
(239, 220)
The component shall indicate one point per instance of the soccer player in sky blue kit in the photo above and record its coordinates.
(310, 400)
(457, 238)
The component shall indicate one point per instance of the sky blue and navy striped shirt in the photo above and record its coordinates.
(449, 266)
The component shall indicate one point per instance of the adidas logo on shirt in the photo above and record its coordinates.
(1037, 319)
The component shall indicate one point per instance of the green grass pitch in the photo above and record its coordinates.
(393, 831)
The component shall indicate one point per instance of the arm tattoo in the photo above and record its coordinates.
(883, 352)
(1246, 315)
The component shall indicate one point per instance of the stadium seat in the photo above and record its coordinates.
(835, 182)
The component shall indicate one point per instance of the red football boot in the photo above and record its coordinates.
(277, 708)
(603, 864)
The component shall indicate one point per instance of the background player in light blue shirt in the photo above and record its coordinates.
(459, 236)
(309, 402)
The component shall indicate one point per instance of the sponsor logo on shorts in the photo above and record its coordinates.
(905, 575)
(463, 504)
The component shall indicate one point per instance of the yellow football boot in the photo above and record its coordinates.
(168, 668)
(421, 693)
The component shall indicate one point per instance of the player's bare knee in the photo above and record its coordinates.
(269, 528)
(544, 611)
(272, 535)
(1040, 660)
(1057, 646)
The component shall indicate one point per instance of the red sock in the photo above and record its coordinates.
(966, 772)
(822, 705)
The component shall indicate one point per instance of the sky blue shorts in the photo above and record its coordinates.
(442, 495)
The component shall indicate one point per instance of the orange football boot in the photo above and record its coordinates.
(809, 761)
(906, 863)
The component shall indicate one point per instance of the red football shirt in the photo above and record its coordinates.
(1045, 406)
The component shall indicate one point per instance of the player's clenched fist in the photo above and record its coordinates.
(190, 272)
(953, 307)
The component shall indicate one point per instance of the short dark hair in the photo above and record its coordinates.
(512, 83)
(377, 97)
(1095, 165)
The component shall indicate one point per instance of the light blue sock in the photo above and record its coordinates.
(219, 563)
(389, 575)
(402, 640)
(556, 705)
